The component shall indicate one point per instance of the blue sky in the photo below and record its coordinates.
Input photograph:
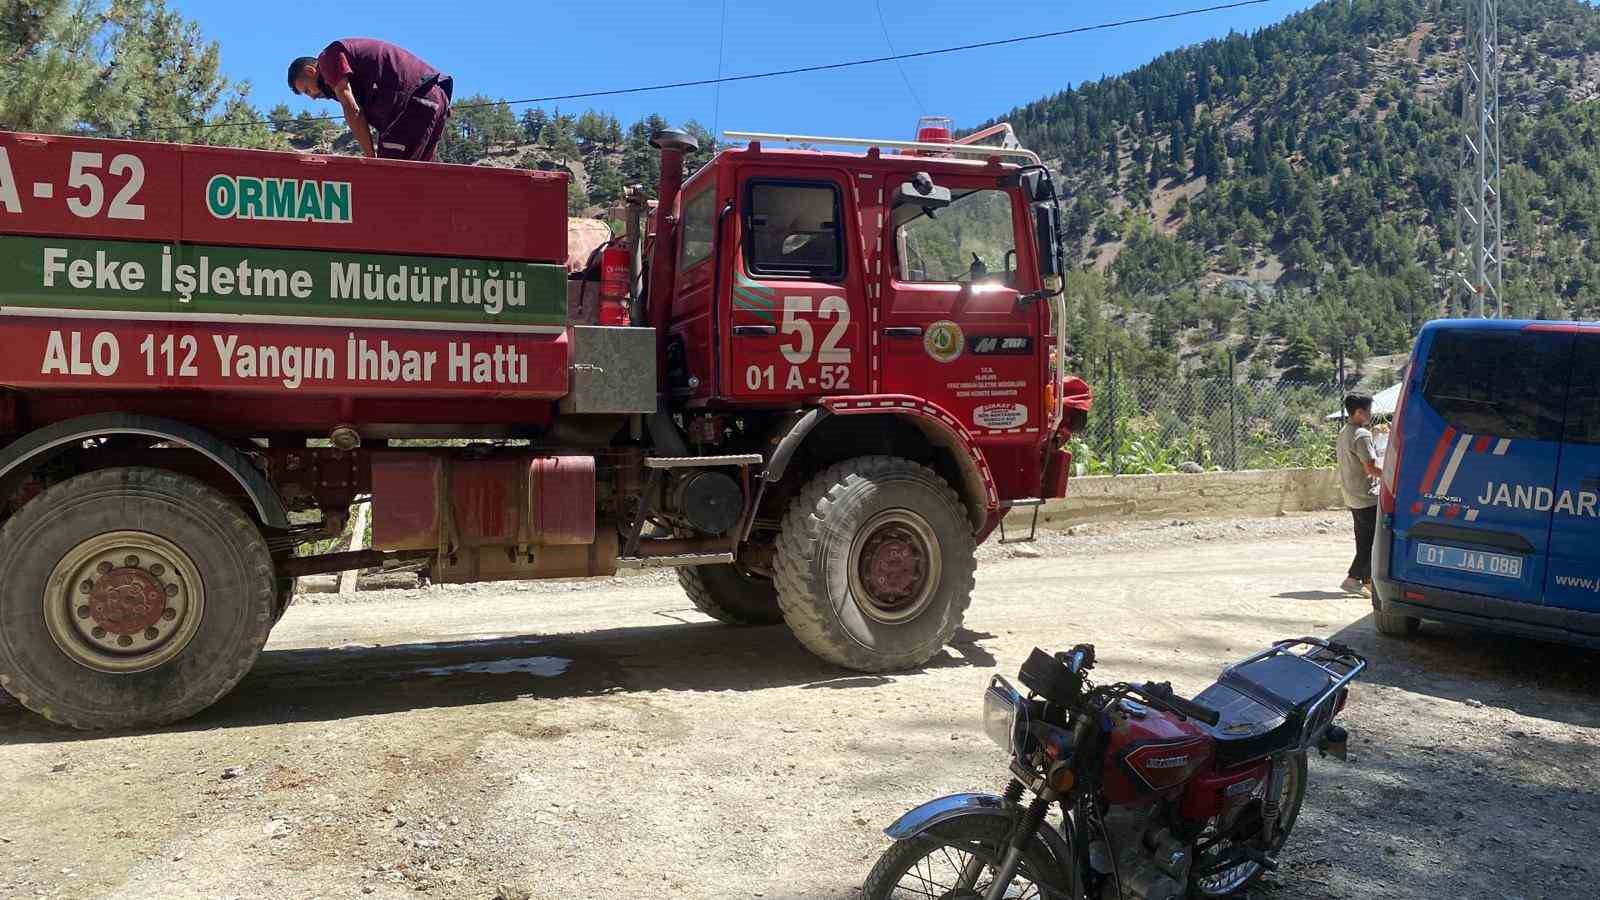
(512, 50)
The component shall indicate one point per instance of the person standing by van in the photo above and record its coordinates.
(1358, 482)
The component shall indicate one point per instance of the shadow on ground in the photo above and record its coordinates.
(321, 684)
(1452, 662)
(1311, 595)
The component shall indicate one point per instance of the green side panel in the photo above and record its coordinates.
(161, 279)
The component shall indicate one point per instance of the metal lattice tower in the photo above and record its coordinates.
(1478, 238)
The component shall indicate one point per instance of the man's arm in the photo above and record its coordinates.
(354, 117)
(1364, 453)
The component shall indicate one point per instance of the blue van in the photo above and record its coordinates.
(1489, 510)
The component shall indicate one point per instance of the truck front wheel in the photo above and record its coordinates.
(728, 595)
(875, 564)
(130, 597)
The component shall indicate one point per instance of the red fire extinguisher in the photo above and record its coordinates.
(615, 272)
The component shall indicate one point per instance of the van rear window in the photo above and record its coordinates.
(1504, 384)
(1583, 406)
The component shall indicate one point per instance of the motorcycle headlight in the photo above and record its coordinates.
(1004, 714)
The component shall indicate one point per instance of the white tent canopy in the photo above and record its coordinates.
(1383, 402)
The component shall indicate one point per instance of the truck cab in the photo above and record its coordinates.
(845, 281)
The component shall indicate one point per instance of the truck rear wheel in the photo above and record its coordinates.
(875, 564)
(728, 595)
(131, 597)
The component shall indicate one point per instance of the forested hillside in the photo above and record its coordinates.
(1285, 197)
(1291, 194)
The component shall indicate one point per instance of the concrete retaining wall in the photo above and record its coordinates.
(1264, 492)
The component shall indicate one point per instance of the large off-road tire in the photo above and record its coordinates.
(130, 597)
(875, 564)
(728, 595)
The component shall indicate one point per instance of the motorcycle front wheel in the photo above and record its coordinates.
(1234, 879)
(955, 860)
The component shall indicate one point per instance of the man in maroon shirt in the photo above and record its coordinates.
(384, 89)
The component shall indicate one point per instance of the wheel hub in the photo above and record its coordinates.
(127, 601)
(124, 602)
(895, 567)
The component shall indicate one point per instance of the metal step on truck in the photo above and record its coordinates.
(812, 382)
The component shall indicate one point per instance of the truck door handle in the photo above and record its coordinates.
(909, 331)
(754, 330)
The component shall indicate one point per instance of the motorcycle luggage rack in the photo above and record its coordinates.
(1033, 527)
(1342, 665)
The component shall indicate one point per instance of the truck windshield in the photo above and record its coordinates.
(970, 240)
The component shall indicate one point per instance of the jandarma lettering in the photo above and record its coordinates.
(279, 199)
(1539, 499)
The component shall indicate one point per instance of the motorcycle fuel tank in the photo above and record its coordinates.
(1150, 751)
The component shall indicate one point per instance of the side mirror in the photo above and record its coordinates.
(920, 191)
(1047, 231)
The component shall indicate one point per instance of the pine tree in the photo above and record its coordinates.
(118, 68)
(640, 165)
(533, 121)
(590, 132)
(558, 138)
(281, 118)
(314, 130)
(605, 183)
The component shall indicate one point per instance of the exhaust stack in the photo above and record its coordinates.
(663, 256)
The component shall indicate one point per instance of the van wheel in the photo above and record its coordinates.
(132, 597)
(875, 564)
(1395, 624)
(728, 595)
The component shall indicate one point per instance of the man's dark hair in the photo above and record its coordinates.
(1355, 401)
(296, 67)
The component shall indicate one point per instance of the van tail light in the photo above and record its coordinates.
(615, 272)
(1397, 445)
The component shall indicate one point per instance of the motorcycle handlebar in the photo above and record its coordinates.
(1164, 695)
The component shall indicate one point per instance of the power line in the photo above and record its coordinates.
(804, 70)
(884, 24)
(722, 44)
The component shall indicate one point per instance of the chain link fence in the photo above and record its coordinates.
(1203, 420)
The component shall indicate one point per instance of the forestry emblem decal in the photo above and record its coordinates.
(944, 341)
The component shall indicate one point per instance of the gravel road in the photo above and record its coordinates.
(603, 739)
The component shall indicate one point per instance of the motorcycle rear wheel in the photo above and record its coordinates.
(929, 866)
(1230, 882)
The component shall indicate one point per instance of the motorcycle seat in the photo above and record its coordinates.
(1263, 707)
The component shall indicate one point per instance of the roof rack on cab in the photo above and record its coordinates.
(966, 146)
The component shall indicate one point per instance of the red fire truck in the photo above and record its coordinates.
(810, 381)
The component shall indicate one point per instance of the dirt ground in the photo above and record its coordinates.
(603, 739)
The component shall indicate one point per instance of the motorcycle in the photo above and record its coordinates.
(1161, 797)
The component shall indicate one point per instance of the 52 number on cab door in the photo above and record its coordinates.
(813, 365)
